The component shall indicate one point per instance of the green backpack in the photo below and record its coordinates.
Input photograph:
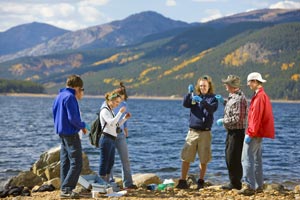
(96, 130)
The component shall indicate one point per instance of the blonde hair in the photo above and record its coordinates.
(110, 96)
(210, 84)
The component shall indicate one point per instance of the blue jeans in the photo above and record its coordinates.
(107, 155)
(70, 162)
(121, 146)
(252, 163)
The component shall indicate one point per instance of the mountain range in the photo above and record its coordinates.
(155, 55)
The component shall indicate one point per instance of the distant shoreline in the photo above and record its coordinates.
(131, 97)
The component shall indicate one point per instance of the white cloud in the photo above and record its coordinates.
(89, 14)
(93, 2)
(65, 14)
(211, 15)
(171, 3)
(286, 5)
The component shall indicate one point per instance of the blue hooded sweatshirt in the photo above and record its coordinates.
(66, 113)
(201, 114)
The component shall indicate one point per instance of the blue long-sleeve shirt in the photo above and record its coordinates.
(66, 113)
(201, 114)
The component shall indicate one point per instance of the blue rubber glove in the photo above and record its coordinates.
(247, 139)
(197, 99)
(191, 88)
(87, 126)
(220, 98)
(220, 121)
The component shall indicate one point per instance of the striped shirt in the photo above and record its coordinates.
(235, 111)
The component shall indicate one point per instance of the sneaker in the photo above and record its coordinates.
(69, 195)
(182, 184)
(230, 187)
(247, 191)
(200, 184)
(131, 187)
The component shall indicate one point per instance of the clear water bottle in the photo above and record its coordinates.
(193, 102)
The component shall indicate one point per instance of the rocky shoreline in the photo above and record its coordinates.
(42, 182)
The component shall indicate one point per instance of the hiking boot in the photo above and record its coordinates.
(200, 184)
(69, 195)
(131, 187)
(230, 187)
(182, 184)
(259, 190)
(247, 191)
(227, 187)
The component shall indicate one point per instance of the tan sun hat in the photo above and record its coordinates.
(255, 76)
(233, 81)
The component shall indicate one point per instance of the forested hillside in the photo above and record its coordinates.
(164, 64)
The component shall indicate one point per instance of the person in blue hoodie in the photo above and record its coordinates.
(198, 140)
(68, 123)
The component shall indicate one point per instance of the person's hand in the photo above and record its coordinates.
(197, 99)
(128, 115)
(123, 109)
(220, 121)
(247, 139)
(220, 98)
(84, 130)
(190, 88)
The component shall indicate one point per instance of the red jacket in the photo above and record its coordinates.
(260, 116)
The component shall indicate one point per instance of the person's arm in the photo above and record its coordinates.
(187, 100)
(255, 122)
(126, 132)
(108, 117)
(212, 106)
(73, 113)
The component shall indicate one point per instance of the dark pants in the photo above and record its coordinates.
(70, 162)
(233, 154)
(107, 154)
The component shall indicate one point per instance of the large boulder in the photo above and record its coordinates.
(26, 178)
(297, 189)
(142, 180)
(48, 166)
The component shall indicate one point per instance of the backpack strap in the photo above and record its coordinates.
(99, 116)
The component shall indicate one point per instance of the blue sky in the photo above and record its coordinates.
(78, 14)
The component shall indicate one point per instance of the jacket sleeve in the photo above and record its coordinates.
(72, 108)
(210, 105)
(254, 123)
(187, 100)
(108, 118)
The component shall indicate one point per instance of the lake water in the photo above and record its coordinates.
(157, 131)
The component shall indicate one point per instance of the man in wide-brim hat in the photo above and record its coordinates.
(235, 122)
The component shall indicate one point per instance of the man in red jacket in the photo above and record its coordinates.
(260, 125)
